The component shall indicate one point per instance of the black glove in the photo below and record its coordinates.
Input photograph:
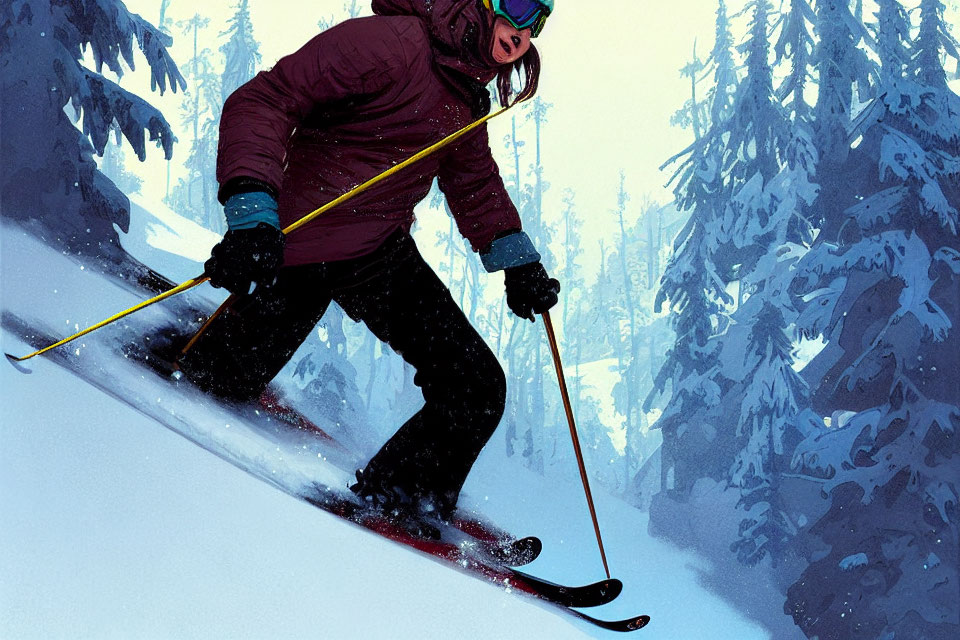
(245, 256)
(530, 290)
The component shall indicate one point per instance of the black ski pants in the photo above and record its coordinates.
(403, 302)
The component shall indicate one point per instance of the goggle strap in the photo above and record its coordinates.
(537, 26)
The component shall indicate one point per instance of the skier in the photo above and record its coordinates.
(355, 100)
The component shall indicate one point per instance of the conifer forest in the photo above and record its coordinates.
(764, 356)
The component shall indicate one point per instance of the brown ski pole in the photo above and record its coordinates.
(206, 325)
(552, 338)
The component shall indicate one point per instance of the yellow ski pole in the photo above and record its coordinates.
(189, 284)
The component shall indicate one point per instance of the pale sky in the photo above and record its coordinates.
(610, 69)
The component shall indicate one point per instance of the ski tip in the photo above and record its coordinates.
(533, 546)
(15, 361)
(611, 588)
(621, 626)
(522, 551)
(638, 623)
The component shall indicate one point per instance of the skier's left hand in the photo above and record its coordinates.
(530, 290)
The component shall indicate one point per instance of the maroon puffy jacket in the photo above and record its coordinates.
(357, 99)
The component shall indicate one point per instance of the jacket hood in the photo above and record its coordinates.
(460, 31)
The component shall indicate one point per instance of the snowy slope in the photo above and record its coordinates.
(156, 229)
(116, 527)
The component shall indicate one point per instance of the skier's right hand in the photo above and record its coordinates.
(245, 257)
(530, 290)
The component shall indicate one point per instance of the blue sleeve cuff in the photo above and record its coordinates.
(509, 251)
(247, 210)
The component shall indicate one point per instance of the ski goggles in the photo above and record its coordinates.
(524, 14)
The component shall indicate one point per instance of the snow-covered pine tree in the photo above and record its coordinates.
(765, 398)
(572, 271)
(241, 51)
(195, 195)
(844, 73)
(114, 167)
(693, 113)
(756, 137)
(635, 328)
(951, 15)
(165, 24)
(539, 232)
(626, 390)
(724, 68)
(769, 411)
(757, 127)
(694, 290)
(602, 459)
(598, 341)
(576, 313)
(653, 222)
(892, 31)
(526, 404)
(198, 66)
(350, 9)
(933, 39)
(762, 396)
(577, 322)
(461, 265)
(795, 43)
(572, 302)
(329, 379)
(50, 182)
(887, 286)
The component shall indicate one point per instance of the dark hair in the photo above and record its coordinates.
(530, 63)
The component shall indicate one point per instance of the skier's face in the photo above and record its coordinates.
(509, 43)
